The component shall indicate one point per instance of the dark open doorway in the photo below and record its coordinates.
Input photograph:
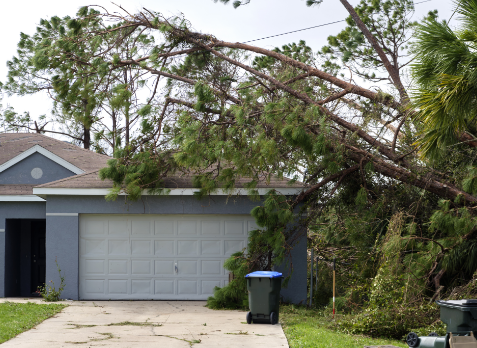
(25, 257)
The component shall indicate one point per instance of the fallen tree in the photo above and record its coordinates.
(227, 111)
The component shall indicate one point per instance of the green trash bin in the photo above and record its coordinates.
(263, 296)
(461, 319)
(459, 315)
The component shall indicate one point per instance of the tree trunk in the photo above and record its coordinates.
(468, 139)
(86, 137)
(269, 265)
(114, 129)
(126, 114)
(392, 70)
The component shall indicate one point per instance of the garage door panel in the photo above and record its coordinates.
(211, 228)
(232, 246)
(119, 227)
(187, 287)
(211, 247)
(164, 228)
(187, 267)
(234, 228)
(118, 267)
(141, 267)
(141, 286)
(164, 257)
(94, 286)
(142, 227)
(141, 247)
(95, 227)
(186, 228)
(164, 287)
(164, 267)
(94, 267)
(164, 247)
(207, 286)
(211, 267)
(187, 248)
(118, 247)
(94, 247)
(118, 286)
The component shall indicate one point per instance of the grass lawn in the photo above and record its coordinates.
(18, 317)
(310, 328)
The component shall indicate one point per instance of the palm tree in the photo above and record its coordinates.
(446, 76)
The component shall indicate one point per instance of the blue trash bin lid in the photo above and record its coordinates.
(264, 274)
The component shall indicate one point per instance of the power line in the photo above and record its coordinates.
(420, 2)
(294, 31)
(316, 26)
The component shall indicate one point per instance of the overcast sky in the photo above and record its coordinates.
(261, 18)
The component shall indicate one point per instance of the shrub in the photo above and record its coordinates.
(234, 294)
(395, 321)
(341, 304)
(49, 292)
(395, 307)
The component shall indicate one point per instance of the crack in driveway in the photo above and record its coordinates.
(144, 324)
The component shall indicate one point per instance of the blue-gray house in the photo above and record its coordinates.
(52, 208)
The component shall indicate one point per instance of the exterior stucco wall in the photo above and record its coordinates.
(62, 231)
(15, 210)
(20, 173)
(296, 290)
(150, 205)
(62, 246)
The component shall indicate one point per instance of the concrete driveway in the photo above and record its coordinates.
(145, 324)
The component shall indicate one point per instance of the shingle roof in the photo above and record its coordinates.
(13, 144)
(16, 189)
(92, 180)
(86, 180)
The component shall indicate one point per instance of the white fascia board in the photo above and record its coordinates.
(173, 192)
(44, 152)
(21, 198)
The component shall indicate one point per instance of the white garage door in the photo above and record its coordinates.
(163, 257)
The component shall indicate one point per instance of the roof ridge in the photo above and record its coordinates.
(67, 143)
(68, 178)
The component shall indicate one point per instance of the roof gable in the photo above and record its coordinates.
(16, 149)
(14, 144)
(44, 152)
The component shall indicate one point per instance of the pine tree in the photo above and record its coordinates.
(233, 115)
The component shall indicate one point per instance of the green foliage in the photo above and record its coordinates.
(341, 304)
(133, 173)
(83, 84)
(469, 184)
(392, 310)
(310, 328)
(301, 52)
(204, 96)
(265, 249)
(235, 3)
(49, 292)
(234, 294)
(369, 202)
(393, 322)
(389, 21)
(446, 83)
